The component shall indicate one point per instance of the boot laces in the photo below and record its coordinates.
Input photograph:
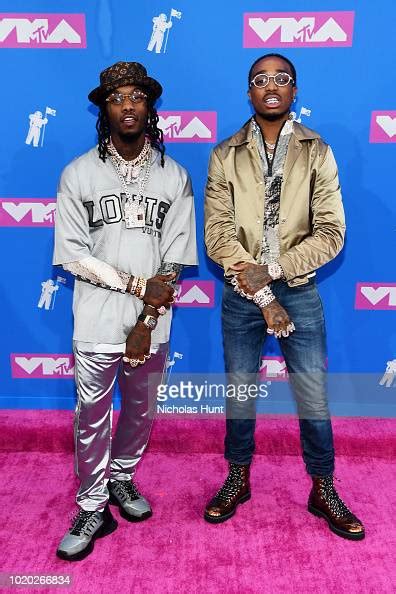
(231, 485)
(83, 523)
(127, 490)
(334, 501)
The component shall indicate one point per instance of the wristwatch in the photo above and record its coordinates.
(275, 270)
(149, 321)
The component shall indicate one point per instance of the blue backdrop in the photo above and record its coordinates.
(51, 59)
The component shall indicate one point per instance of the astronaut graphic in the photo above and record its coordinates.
(389, 375)
(36, 123)
(169, 364)
(48, 293)
(161, 26)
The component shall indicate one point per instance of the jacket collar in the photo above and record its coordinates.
(244, 135)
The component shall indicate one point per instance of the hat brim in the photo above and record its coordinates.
(148, 84)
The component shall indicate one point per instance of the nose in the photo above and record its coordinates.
(127, 104)
(272, 86)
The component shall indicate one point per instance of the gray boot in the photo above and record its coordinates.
(87, 526)
(133, 506)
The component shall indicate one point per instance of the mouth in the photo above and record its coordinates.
(129, 119)
(272, 101)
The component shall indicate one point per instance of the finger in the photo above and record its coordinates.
(240, 266)
(166, 277)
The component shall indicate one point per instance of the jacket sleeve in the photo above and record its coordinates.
(328, 224)
(221, 240)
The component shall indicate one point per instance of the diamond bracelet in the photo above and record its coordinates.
(263, 297)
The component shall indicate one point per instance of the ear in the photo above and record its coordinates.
(249, 95)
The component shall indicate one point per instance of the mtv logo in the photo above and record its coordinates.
(383, 126)
(298, 29)
(27, 212)
(42, 366)
(42, 30)
(196, 294)
(375, 296)
(188, 126)
(274, 369)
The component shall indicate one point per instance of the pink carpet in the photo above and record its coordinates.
(272, 544)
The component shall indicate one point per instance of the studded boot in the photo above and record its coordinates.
(325, 502)
(235, 490)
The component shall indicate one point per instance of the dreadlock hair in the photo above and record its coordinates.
(154, 134)
(292, 68)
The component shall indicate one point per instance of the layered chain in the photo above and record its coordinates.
(135, 171)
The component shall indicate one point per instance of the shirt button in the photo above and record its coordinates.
(258, 221)
(283, 220)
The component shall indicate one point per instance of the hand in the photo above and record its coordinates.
(157, 292)
(278, 320)
(251, 277)
(138, 345)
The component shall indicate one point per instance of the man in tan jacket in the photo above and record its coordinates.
(273, 215)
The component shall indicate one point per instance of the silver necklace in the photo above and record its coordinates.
(130, 169)
(270, 146)
(134, 211)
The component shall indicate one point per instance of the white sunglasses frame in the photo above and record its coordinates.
(291, 79)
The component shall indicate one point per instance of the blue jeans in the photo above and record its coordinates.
(304, 351)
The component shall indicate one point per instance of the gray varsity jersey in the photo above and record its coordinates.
(90, 222)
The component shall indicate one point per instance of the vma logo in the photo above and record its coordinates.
(298, 29)
(383, 126)
(375, 296)
(27, 212)
(188, 126)
(37, 366)
(195, 294)
(42, 30)
(273, 369)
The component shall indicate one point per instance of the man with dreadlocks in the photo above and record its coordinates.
(125, 227)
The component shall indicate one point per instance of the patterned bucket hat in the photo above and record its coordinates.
(124, 73)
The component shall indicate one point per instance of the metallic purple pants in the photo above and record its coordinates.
(97, 456)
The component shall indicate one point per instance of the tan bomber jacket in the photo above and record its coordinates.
(311, 216)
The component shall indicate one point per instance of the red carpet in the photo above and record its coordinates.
(272, 544)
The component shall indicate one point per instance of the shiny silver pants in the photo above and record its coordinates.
(97, 456)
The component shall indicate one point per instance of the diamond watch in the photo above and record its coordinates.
(275, 270)
(149, 321)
